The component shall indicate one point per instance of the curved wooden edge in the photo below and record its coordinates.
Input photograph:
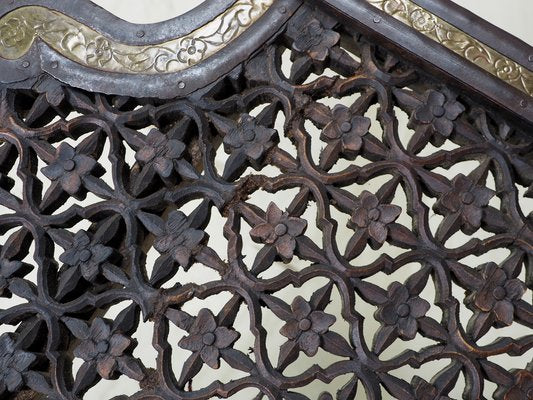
(491, 35)
(435, 59)
(98, 18)
(165, 85)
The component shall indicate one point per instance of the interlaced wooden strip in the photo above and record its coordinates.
(119, 213)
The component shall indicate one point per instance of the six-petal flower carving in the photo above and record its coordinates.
(279, 230)
(206, 338)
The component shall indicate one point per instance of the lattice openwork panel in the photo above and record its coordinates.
(325, 222)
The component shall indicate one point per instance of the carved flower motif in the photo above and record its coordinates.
(191, 50)
(393, 7)
(69, 168)
(206, 338)
(426, 391)
(12, 32)
(162, 152)
(86, 255)
(315, 41)
(521, 390)
(99, 52)
(402, 310)
(467, 199)
(373, 217)
(105, 348)
(423, 21)
(307, 326)
(279, 230)
(439, 111)
(497, 295)
(13, 363)
(179, 239)
(507, 70)
(347, 128)
(7, 270)
(250, 138)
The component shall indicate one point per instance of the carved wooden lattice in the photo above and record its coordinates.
(316, 118)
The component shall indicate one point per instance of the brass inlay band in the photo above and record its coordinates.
(459, 42)
(77, 42)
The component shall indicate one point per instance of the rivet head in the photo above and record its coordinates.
(25, 64)
(54, 64)
(523, 103)
(530, 58)
(377, 19)
(181, 85)
(282, 9)
(140, 34)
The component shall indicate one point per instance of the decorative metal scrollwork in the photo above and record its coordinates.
(335, 164)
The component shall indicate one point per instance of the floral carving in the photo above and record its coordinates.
(207, 339)
(439, 111)
(13, 364)
(69, 168)
(279, 230)
(402, 310)
(498, 294)
(346, 128)
(161, 152)
(12, 32)
(373, 217)
(99, 52)
(192, 50)
(86, 255)
(105, 349)
(507, 69)
(466, 200)
(315, 41)
(307, 327)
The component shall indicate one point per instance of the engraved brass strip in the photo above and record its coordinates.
(459, 42)
(77, 42)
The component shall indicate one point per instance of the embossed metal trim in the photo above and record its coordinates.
(77, 42)
(459, 42)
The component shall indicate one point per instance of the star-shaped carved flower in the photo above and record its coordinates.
(373, 217)
(315, 41)
(191, 50)
(467, 199)
(250, 139)
(99, 52)
(207, 339)
(307, 327)
(402, 310)
(13, 364)
(105, 349)
(279, 230)
(161, 152)
(440, 111)
(347, 128)
(497, 295)
(86, 255)
(68, 168)
(178, 238)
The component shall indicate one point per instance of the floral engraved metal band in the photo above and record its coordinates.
(77, 42)
(459, 42)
